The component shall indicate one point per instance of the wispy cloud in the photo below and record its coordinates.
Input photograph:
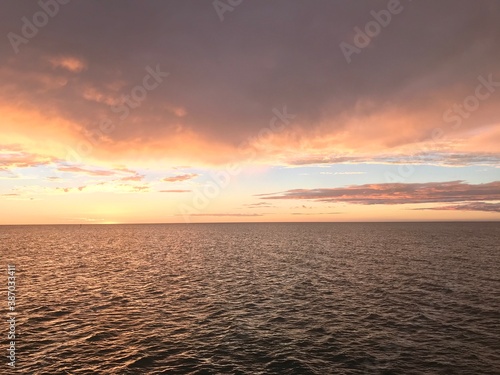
(131, 175)
(70, 63)
(90, 172)
(136, 177)
(258, 205)
(175, 191)
(473, 206)
(228, 215)
(70, 189)
(451, 159)
(315, 213)
(342, 173)
(13, 157)
(183, 177)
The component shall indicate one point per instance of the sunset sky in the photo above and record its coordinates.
(221, 111)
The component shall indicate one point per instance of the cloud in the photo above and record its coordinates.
(399, 193)
(93, 94)
(69, 63)
(315, 213)
(450, 159)
(180, 178)
(90, 172)
(124, 170)
(133, 175)
(175, 191)
(348, 173)
(227, 214)
(342, 173)
(70, 189)
(258, 205)
(14, 157)
(219, 95)
(136, 177)
(100, 187)
(473, 206)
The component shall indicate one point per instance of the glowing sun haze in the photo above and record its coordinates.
(156, 111)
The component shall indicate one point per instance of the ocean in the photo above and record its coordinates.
(280, 298)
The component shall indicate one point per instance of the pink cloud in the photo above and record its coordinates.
(71, 189)
(399, 193)
(136, 177)
(473, 206)
(13, 157)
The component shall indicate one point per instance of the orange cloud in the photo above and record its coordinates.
(180, 178)
(12, 157)
(399, 193)
(69, 63)
(202, 113)
(86, 171)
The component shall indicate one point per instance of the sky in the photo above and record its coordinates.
(249, 111)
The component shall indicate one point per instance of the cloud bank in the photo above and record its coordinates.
(431, 192)
(225, 78)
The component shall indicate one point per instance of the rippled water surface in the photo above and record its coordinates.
(256, 298)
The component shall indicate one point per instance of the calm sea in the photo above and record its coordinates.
(318, 298)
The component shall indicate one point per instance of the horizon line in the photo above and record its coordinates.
(267, 222)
